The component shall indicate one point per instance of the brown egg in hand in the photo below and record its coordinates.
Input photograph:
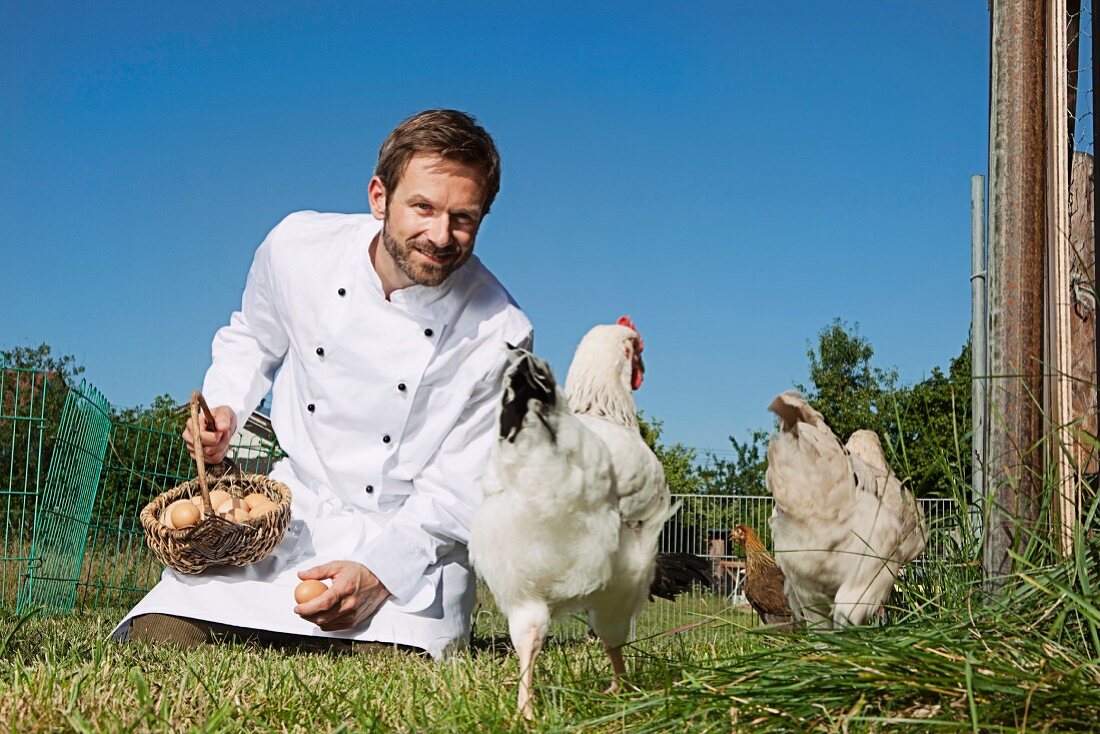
(309, 590)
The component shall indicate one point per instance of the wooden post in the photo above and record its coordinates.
(1082, 320)
(1058, 386)
(1017, 233)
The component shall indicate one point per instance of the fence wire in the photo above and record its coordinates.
(24, 396)
(88, 550)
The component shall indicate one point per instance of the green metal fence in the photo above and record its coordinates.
(23, 412)
(65, 505)
(72, 535)
(143, 460)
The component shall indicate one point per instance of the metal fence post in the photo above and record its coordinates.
(979, 363)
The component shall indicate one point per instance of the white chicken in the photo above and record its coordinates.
(843, 524)
(574, 499)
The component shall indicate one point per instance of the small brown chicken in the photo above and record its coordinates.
(763, 578)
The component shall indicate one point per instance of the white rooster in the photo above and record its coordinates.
(843, 524)
(574, 499)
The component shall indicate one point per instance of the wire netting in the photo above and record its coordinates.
(24, 398)
(81, 544)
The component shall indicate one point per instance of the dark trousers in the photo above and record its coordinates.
(187, 633)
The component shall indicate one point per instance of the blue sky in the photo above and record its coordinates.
(733, 175)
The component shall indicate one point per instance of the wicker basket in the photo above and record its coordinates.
(215, 541)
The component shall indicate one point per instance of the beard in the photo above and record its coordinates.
(419, 271)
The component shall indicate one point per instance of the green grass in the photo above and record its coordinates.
(948, 659)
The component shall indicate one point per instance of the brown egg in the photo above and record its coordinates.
(166, 517)
(197, 502)
(309, 590)
(235, 514)
(255, 498)
(184, 515)
(218, 497)
(262, 508)
(228, 506)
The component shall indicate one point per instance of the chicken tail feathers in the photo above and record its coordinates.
(793, 409)
(527, 379)
(676, 572)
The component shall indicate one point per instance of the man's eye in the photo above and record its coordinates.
(421, 206)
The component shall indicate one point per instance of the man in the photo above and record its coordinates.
(381, 338)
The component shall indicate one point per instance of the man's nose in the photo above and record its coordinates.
(439, 232)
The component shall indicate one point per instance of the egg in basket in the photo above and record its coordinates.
(236, 520)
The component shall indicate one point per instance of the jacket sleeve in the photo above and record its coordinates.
(437, 516)
(246, 352)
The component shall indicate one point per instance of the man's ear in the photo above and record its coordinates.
(376, 194)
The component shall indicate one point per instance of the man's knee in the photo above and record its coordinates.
(160, 629)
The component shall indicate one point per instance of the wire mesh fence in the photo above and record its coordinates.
(702, 526)
(24, 398)
(72, 535)
(64, 507)
(80, 544)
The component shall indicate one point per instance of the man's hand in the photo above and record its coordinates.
(215, 438)
(354, 597)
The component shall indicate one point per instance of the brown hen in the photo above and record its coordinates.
(763, 578)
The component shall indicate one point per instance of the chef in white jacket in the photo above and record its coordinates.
(381, 338)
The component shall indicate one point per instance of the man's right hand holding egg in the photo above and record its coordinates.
(354, 597)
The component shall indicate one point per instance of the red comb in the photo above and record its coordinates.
(629, 323)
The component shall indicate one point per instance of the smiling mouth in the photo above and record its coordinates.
(438, 258)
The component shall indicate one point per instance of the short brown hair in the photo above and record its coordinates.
(446, 133)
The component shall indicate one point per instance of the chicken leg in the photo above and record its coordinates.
(528, 631)
(618, 667)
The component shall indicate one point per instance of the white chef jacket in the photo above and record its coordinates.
(386, 411)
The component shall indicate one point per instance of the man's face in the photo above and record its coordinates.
(431, 218)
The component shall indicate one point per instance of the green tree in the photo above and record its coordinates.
(925, 427)
(743, 475)
(850, 393)
(931, 429)
(678, 460)
(164, 411)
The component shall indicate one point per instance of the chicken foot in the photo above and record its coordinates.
(618, 670)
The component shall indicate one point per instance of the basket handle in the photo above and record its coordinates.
(198, 400)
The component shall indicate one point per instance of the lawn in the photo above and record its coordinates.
(947, 659)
